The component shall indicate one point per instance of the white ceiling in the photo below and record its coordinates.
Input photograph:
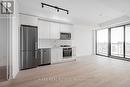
(89, 12)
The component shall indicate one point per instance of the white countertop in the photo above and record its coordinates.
(56, 47)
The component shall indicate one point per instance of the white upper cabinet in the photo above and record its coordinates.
(66, 28)
(46, 29)
(55, 31)
(51, 30)
(43, 29)
(28, 20)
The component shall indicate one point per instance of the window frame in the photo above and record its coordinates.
(123, 43)
(97, 44)
(109, 43)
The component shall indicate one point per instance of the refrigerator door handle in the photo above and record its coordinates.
(36, 46)
(35, 54)
(36, 49)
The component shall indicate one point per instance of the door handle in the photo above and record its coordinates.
(36, 45)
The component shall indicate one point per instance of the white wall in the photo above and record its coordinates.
(3, 40)
(14, 67)
(9, 43)
(83, 40)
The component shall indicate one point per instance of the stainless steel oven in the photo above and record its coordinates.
(65, 36)
(67, 52)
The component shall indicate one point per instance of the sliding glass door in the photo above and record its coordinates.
(114, 42)
(117, 41)
(127, 41)
(102, 42)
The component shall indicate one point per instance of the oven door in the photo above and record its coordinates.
(67, 52)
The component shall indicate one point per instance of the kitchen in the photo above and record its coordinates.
(64, 43)
(53, 42)
(37, 36)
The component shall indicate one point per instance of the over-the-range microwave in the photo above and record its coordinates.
(65, 36)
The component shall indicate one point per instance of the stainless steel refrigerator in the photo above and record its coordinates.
(28, 46)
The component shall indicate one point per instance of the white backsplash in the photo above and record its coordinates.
(63, 42)
(45, 43)
(42, 43)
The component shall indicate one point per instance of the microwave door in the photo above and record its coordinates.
(65, 36)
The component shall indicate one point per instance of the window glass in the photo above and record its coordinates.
(102, 42)
(127, 39)
(117, 39)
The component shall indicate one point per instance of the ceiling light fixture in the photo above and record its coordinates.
(57, 8)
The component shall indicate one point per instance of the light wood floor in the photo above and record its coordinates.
(89, 71)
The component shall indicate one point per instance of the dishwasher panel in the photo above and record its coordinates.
(44, 56)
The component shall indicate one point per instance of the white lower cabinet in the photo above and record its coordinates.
(56, 55)
(73, 51)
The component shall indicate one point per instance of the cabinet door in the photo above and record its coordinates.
(53, 55)
(43, 29)
(47, 56)
(60, 53)
(54, 31)
(66, 28)
(56, 55)
(74, 51)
